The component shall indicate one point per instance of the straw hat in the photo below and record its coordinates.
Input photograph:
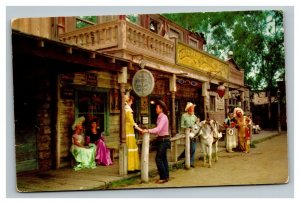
(188, 105)
(78, 121)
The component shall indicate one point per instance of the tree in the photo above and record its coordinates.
(255, 37)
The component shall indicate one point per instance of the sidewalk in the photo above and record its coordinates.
(102, 177)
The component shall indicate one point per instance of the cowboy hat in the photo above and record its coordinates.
(188, 105)
(162, 105)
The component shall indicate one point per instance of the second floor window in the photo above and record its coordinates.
(193, 43)
(175, 34)
(154, 26)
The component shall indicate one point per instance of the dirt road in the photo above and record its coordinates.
(265, 164)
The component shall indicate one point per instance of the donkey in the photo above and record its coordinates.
(209, 135)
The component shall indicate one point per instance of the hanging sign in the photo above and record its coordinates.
(220, 103)
(143, 83)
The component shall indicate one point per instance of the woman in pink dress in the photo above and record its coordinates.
(102, 152)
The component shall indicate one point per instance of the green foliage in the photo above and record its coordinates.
(132, 18)
(255, 37)
(82, 24)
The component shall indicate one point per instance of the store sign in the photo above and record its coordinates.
(143, 83)
(91, 79)
(200, 60)
(145, 120)
(220, 103)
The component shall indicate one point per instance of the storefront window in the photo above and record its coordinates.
(93, 105)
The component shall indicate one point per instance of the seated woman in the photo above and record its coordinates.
(94, 137)
(84, 155)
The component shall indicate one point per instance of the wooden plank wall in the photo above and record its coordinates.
(35, 26)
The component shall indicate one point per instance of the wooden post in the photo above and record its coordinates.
(187, 149)
(123, 159)
(122, 115)
(145, 158)
(174, 151)
(122, 80)
(278, 110)
(173, 125)
(173, 130)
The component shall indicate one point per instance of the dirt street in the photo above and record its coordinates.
(265, 164)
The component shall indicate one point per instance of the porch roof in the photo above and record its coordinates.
(35, 46)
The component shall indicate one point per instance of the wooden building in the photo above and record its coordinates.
(67, 67)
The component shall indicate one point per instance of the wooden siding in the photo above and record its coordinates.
(35, 26)
(66, 116)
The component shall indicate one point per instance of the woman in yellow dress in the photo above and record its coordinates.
(133, 163)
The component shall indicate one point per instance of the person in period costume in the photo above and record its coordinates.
(83, 155)
(93, 136)
(231, 138)
(133, 153)
(242, 123)
(163, 141)
(188, 120)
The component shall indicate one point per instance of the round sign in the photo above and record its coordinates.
(143, 82)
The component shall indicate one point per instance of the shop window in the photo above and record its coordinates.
(93, 105)
(212, 103)
(85, 21)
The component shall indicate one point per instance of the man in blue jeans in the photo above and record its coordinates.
(163, 141)
(188, 119)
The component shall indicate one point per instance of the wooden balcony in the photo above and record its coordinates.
(122, 35)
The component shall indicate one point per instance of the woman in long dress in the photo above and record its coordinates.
(94, 137)
(83, 155)
(133, 152)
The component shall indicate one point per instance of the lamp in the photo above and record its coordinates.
(221, 89)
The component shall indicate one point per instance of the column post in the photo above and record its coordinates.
(122, 80)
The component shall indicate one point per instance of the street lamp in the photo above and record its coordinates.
(279, 121)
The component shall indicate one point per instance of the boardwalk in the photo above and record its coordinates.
(92, 179)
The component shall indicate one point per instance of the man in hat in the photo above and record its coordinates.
(163, 141)
(188, 120)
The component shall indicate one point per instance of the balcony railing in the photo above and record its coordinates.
(122, 35)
